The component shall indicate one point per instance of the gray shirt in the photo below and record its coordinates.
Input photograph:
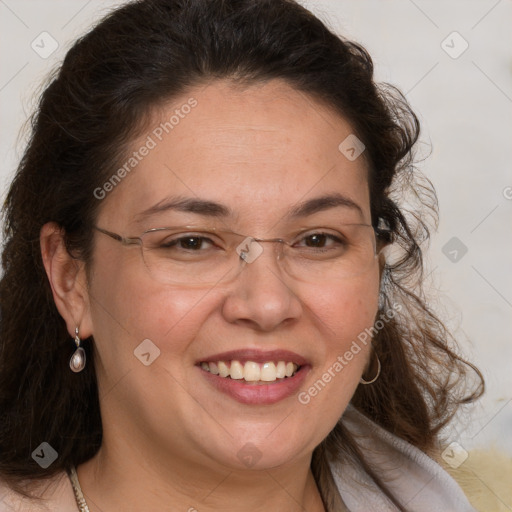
(419, 483)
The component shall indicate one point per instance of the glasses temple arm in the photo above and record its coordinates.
(119, 238)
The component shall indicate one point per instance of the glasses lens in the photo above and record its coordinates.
(186, 256)
(324, 255)
(203, 256)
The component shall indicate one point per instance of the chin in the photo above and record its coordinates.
(262, 452)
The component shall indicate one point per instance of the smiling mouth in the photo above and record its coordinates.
(251, 371)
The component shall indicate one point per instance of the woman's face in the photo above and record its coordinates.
(259, 154)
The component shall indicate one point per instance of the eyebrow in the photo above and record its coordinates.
(187, 205)
(322, 203)
(212, 209)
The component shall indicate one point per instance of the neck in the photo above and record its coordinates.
(127, 478)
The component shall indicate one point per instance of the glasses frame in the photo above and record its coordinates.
(383, 236)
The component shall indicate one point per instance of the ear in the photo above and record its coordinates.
(68, 280)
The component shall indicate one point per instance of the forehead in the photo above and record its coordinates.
(258, 150)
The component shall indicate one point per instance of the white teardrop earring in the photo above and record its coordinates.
(77, 361)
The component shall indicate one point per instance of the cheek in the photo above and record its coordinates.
(128, 307)
(346, 310)
(345, 315)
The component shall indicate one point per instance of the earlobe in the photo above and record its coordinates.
(67, 278)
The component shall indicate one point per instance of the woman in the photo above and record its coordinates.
(211, 298)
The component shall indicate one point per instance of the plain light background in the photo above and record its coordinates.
(463, 97)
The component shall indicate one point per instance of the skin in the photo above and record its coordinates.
(169, 436)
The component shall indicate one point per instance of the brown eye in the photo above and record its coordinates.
(318, 240)
(191, 242)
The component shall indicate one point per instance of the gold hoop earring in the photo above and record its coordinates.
(365, 382)
(77, 361)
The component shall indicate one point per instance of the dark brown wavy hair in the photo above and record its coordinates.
(139, 57)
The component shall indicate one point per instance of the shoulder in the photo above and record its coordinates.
(55, 495)
(418, 481)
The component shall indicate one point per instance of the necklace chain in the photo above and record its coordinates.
(79, 496)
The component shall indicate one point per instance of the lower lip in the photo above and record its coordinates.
(261, 394)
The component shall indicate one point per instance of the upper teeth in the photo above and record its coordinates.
(251, 371)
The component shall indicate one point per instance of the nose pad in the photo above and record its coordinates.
(279, 248)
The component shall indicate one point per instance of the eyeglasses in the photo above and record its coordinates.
(202, 255)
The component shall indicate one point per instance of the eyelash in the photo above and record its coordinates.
(177, 241)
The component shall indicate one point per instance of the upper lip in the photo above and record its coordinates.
(258, 356)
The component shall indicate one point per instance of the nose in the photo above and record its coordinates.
(262, 297)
